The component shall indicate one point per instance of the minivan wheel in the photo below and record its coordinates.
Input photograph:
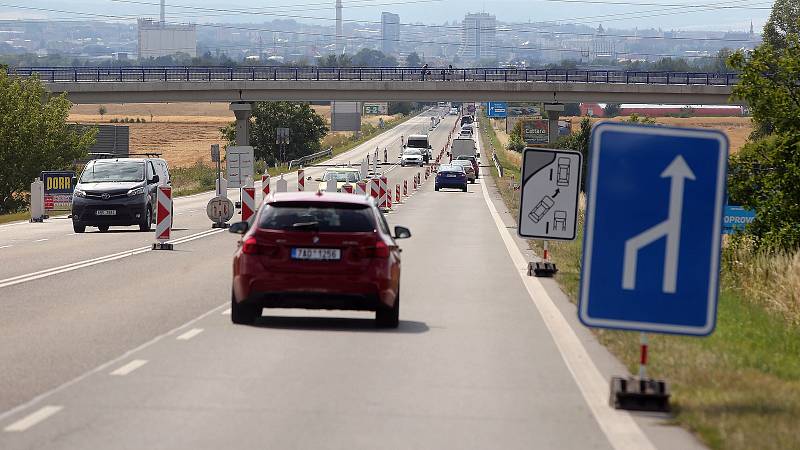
(103, 228)
(78, 227)
(144, 225)
(243, 314)
(389, 318)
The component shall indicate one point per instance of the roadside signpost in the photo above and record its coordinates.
(652, 246)
(549, 189)
(736, 219)
(220, 211)
(57, 190)
(240, 164)
(497, 110)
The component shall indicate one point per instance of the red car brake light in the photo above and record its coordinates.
(251, 246)
(379, 250)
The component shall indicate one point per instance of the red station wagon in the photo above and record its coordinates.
(317, 251)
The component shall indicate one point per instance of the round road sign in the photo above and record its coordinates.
(219, 209)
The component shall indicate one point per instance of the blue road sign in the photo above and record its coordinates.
(736, 219)
(653, 222)
(497, 110)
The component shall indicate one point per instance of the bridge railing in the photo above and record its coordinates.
(265, 73)
(299, 162)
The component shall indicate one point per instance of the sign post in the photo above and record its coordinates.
(220, 211)
(549, 189)
(652, 246)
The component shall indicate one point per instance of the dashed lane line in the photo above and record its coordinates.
(130, 367)
(33, 418)
(190, 334)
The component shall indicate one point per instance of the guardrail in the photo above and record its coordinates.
(312, 157)
(497, 164)
(207, 74)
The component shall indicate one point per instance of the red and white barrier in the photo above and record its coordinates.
(265, 185)
(405, 188)
(397, 193)
(383, 192)
(388, 199)
(301, 180)
(361, 188)
(375, 188)
(348, 188)
(163, 218)
(248, 204)
(415, 182)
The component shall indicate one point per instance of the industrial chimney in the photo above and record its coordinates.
(339, 44)
(162, 11)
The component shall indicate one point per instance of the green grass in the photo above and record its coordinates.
(736, 389)
(13, 217)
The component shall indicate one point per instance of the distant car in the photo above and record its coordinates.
(317, 251)
(453, 111)
(342, 175)
(467, 165)
(467, 120)
(420, 142)
(474, 162)
(451, 176)
(412, 157)
(119, 191)
(465, 133)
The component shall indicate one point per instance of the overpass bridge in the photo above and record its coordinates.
(248, 84)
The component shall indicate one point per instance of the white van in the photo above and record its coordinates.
(420, 141)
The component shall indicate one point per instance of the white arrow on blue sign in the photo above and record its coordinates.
(653, 222)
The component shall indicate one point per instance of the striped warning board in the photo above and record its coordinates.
(248, 204)
(163, 218)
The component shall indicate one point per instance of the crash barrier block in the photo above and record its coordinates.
(542, 269)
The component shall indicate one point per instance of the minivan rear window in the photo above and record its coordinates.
(318, 216)
(417, 143)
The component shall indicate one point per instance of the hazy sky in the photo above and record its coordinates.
(667, 14)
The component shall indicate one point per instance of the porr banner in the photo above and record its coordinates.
(58, 189)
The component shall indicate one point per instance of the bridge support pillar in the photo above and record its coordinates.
(554, 111)
(242, 111)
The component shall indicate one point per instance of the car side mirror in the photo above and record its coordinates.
(239, 228)
(401, 232)
(309, 178)
(154, 179)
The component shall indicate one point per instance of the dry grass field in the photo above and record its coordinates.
(181, 132)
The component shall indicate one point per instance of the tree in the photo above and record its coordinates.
(373, 58)
(572, 109)
(763, 177)
(404, 108)
(783, 21)
(413, 60)
(644, 120)
(770, 84)
(306, 130)
(672, 65)
(102, 111)
(516, 141)
(34, 136)
(611, 110)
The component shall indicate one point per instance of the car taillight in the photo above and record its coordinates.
(251, 246)
(379, 250)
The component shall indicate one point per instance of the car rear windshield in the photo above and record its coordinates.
(318, 216)
(113, 171)
(341, 176)
(450, 169)
(417, 143)
(412, 151)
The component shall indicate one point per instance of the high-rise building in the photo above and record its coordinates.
(162, 39)
(390, 32)
(339, 29)
(477, 36)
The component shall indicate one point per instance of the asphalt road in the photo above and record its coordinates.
(139, 352)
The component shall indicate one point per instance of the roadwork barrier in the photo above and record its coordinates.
(248, 204)
(163, 218)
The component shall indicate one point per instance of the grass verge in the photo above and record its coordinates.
(738, 388)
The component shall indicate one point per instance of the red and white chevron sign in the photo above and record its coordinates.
(383, 192)
(375, 188)
(248, 204)
(265, 184)
(361, 188)
(301, 180)
(163, 214)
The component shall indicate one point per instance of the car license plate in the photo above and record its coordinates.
(451, 175)
(106, 212)
(317, 254)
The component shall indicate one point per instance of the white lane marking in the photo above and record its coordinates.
(41, 240)
(619, 427)
(6, 246)
(107, 364)
(91, 262)
(189, 334)
(130, 367)
(227, 312)
(33, 418)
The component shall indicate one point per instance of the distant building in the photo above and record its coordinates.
(161, 39)
(390, 32)
(478, 36)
